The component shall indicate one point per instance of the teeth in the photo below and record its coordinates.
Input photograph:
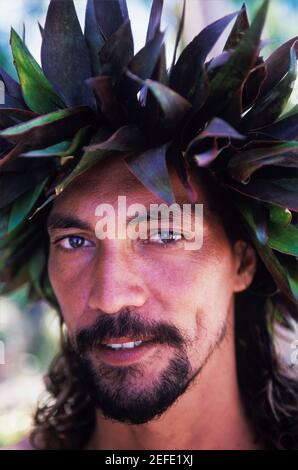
(124, 345)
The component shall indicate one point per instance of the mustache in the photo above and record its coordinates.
(126, 323)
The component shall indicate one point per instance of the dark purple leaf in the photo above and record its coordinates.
(13, 93)
(253, 85)
(285, 129)
(125, 139)
(102, 86)
(64, 54)
(142, 65)
(218, 61)
(282, 192)
(173, 105)
(117, 52)
(207, 156)
(12, 87)
(187, 77)
(18, 114)
(154, 20)
(216, 128)
(240, 26)
(110, 15)
(13, 184)
(178, 36)
(150, 168)
(94, 37)
(145, 60)
(219, 128)
(242, 165)
(159, 72)
(277, 65)
(227, 83)
(269, 107)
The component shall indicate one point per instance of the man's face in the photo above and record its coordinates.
(118, 291)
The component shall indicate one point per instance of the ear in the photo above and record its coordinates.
(245, 265)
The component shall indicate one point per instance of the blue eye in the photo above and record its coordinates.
(166, 237)
(73, 242)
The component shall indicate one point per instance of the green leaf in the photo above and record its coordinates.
(278, 270)
(280, 215)
(49, 126)
(52, 151)
(88, 160)
(37, 91)
(284, 239)
(76, 142)
(23, 205)
(291, 112)
(36, 267)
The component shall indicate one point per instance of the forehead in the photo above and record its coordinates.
(107, 180)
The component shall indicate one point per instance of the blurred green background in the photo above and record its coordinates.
(29, 334)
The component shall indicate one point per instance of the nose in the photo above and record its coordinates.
(115, 283)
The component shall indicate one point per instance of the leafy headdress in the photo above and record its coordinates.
(94, 98)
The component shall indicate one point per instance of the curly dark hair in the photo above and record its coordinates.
(66, 419)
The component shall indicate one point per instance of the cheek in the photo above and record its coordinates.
(193, 291)
(70, 289)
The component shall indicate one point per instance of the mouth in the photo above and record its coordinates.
(125, 343)
(125, 351)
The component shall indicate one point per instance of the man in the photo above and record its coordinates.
(163, 344)
(156, 291)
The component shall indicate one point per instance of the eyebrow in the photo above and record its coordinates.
(147, 216)
(64, 221)
(57, 220)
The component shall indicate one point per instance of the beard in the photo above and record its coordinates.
(126, 394)
(116, 393)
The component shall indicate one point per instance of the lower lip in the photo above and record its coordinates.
(122, 357)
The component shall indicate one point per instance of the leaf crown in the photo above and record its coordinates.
(93, 97)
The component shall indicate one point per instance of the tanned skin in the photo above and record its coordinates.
(190, 289)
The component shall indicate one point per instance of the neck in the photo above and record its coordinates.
(209, 415)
